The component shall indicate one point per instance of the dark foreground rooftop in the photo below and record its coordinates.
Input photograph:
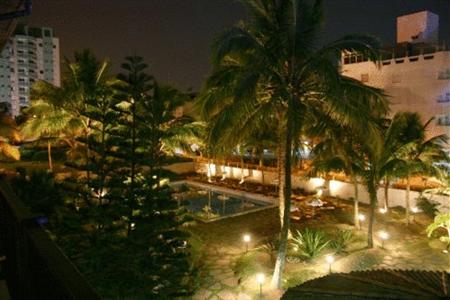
(375, 284)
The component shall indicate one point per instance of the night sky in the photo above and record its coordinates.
(174, 35)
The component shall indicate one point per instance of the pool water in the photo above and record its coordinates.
(208, 204)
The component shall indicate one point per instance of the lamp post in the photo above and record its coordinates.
(246, 238)
(361, 219)
(260, 278)
(383, 236)
(414, 210)
(330, 259)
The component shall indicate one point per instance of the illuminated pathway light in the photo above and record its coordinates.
(260, 278)
(330, 260)
(383, 236)
(246, 238)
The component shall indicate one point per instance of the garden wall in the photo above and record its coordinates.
(336, 188)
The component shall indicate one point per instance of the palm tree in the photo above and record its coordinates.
(178, 132)
(338, 151)
(419, 157)
(382, 153)
(9, 135)
(271, 66)
(85, 79)
(48, 122)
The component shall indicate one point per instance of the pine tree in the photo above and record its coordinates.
(151, 216)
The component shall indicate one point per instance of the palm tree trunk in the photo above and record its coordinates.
(281, 179)
(261, 165)
(407, 206)
(286, 200)
(372, 189)
(356, 208)
(242, 169)
(386, 193)
(49, 152)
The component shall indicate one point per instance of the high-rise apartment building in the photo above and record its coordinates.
(415, 73)
(31, 54)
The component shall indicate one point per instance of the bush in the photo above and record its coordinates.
(296, 278)
(309, 243)
(270, 246)
(39, 191)
(40, 156)
(340, 240)
(362, 260)
(247, 265)
(429, 207)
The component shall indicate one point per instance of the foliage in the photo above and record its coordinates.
(362, 260)
(340, 240)
(271, 68)
(270, 246)
(9, 135)
(120, 220)
(294, 279)
(39, 191)
(309, 243)
(429, 207)
(441, 221)
(247, 265)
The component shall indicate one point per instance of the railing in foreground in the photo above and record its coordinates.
(35, 267)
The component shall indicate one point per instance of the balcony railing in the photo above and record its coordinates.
(35, 267)
(444, 98)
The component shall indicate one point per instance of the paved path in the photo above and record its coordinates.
(219, 279)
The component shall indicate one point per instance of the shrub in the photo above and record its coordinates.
(340, 240)
(39, 191)
(270, 246)
(247, 265)
(296, 278)
(429, 207)
(309, 243)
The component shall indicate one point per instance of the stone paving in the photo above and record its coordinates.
(220, 281)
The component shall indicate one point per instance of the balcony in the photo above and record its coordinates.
(34, 267)
(444, 98)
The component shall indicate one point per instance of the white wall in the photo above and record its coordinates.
(339, 189)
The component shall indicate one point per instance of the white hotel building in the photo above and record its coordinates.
(31, 54)
(415, 73)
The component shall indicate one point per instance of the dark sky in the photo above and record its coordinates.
(174, 35)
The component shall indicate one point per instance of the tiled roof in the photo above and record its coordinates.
(375, 284)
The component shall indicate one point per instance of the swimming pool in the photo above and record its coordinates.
(210, 203)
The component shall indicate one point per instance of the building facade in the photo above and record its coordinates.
(31, 54)
(415, 73)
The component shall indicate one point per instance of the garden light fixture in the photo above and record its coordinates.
(383, 236)
(330, 260)
(260, 278)
(247, 238)
(414, 210)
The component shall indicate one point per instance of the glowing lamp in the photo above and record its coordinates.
(361, 217)
(260, 278)
(246, 238)
(330, 261)
(383, 236)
